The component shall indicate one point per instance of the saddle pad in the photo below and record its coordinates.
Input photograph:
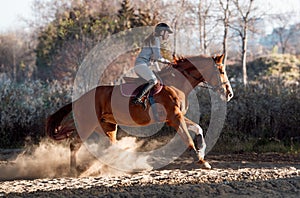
(132, 89)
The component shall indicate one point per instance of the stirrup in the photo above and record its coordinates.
(139, 101)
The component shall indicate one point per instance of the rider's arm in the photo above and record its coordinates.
(156, 66)
(156, 49)
(164, 61)
(156, 52)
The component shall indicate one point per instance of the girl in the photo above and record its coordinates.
(150, 52)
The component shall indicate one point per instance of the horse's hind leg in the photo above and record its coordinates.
(199, 141)
(75, 145)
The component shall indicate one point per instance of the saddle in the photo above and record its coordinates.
(133, 86)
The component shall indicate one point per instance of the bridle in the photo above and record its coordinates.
(216, 87)
(201, 79)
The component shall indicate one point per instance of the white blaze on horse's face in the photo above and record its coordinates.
(225, 82)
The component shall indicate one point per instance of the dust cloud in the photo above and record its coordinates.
(51, 160)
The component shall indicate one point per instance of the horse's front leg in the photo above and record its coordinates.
(177, 121)
(199, 141)
(110, 130)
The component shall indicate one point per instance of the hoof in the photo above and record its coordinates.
(205, 164)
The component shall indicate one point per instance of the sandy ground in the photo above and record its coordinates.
(236, 175)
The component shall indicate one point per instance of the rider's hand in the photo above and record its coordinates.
(164, 61)
(167, 61)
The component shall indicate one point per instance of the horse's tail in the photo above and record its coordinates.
(57, 130)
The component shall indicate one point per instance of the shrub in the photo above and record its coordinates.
(24, 108)
(267, 109)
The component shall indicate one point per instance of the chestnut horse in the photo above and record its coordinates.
(104, 107)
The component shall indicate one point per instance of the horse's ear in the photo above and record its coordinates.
(214, 57)
(221, 58)
(218, 59)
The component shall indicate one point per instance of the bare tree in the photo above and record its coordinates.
(16, 57)
(178, 15)
(247, 15)
(177, 22)
(226, 14)
(207, 17)
(294, 42)
(282, 32)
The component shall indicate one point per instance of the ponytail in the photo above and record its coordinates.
(150, 40)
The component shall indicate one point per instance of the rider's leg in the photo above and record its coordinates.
(146, 88)
(144, 71)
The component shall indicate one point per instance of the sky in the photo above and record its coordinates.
(12, 11)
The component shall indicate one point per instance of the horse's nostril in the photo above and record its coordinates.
(230, 95)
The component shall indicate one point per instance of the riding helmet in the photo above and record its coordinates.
(161, 27)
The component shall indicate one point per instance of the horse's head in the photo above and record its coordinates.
(197, 69)
(205, 69)
(224, 84)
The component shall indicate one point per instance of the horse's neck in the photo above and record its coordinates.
(173, 77)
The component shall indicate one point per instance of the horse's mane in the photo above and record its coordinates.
(175, 64)
(183, 63)
(180, 61)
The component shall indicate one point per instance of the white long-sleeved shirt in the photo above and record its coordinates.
(149, 52)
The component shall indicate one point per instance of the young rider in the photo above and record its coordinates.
(150, 52)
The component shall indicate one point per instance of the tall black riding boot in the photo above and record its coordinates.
(146, 88)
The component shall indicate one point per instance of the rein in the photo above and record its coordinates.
(206, 84)
(184, 71)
